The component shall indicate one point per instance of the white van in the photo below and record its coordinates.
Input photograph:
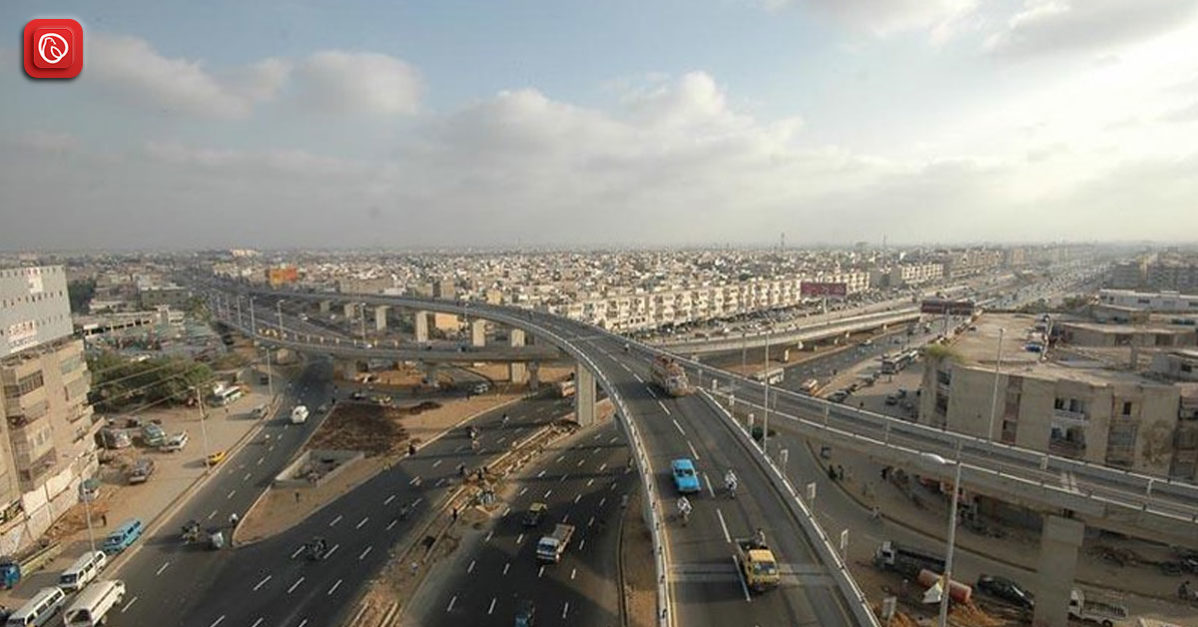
(299, 415)
(82, 571)
(93, 604)
(39, 610)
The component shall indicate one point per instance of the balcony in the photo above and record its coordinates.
(1069, 416)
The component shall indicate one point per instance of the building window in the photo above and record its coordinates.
(1126, 408)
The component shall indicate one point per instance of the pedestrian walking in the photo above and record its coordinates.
(831, 472)
(297, 496)
(455, 514)
(839, 471)
(104, 520)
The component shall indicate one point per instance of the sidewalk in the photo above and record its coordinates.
(175, 475)
(925, 511)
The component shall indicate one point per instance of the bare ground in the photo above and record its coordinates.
(636, 555)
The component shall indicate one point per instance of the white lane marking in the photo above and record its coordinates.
(565, 609)
(162, 568)
(362, 522)
(392, 524)
(231, 493)
(591, 521)
(580, 463)
(638, 378)
(218, 621)
(295, 585)
(297, 552)
(439, 482)
(693, 451)
(540, 474)
(488, 538)
(470, 568)
(335, 520)
(559, 459)
(500, 440)
(613, 440)
(565, 519)
(212, 515)
(602, 466)
(260, 460)
(582, 543)
(302, 623)
(332, 551)
(365, 553)
(449, 608)
(415, 480)
(492, 608)
(663, 407)
(602, 501)
(437, 463)
(577, 498)
(129, 604)
(541, 572)
(589, 482)
(334, 588)
(548, 492)
(247, 477)
(389, 499)
(718, 513)
(262, 583)
(740, 578)
(257, 622)
(272, 446)
(651, 392)
(573, 571)
(678, 426)
(522, 491)
(506, 566)
(564, 477)
(519, 539)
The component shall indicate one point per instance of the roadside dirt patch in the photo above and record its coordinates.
(636, 555)
(371, 428)
(281, 509)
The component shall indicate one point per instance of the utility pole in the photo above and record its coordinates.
(203, 425)
(765, 412)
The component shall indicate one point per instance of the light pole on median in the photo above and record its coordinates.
(947, 577)
(765, 411)
(203, 424)
(994, 392)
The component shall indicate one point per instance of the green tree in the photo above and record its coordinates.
(80, 293)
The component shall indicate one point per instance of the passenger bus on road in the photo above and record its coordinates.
(226, 395)
(892, 364)
(773, 376)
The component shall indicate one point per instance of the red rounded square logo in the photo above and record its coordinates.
(52, 48)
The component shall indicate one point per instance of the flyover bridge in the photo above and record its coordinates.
(696, 576)
(1072, 493)
(804, 332)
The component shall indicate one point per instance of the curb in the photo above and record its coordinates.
(239, 543)
(923, 533)
(620, 570)
(176, 503)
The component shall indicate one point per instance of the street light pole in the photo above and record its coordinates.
(253, 324)
(765, 412)
(87, 511)
(279, 310)
(994, 392)
(952, 540)
(203, 425)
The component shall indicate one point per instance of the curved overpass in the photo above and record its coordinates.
(697, 581)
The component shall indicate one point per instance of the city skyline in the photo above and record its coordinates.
(722, 123)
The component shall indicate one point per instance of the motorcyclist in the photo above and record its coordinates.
(505, 419)
(730, 482)
(233, 519)
(684, 508)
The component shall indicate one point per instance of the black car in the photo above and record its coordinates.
(1007, 590)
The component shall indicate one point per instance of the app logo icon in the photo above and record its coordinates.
(53, 48)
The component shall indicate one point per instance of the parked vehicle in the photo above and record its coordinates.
(140, 471)
(111, 438)
(123, 536)
(757, 563)
(10, 573)
(1101, 612)
(535, 513)
(906, 560)
(82, 571)
(686, 480)
(551, 547)
(39, 610)
(92, 606)
(153, 435)
(1007, 590)
(299, 415)
(176, 442)
(526, 615)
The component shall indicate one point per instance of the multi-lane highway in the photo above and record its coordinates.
(583, 480)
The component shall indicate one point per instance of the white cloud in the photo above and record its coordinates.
(336, 81)
(887, 17)
(1052, 26)
(131, 69)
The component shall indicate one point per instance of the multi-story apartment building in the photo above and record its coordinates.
(906, 274)
(47, 437)
(1150, 301)
(173, 296)
(963, 263)
(1076, 408)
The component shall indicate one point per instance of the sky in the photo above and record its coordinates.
(402, 124)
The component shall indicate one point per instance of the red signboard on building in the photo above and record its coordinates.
(942, 306)
(819, 288)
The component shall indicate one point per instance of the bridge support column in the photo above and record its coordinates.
(380, 318)
(1059, 541)
(478, 333)
(326, 306)
(351, 311)
(421, 326)
(584, 396)
(534, 379)
(517, 372)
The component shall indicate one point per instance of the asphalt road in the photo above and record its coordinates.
(582, 480)
(268, 583)
(161, 573)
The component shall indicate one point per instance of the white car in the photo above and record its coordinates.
(175, 442)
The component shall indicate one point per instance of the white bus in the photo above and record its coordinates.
(93, 604)
(773, 376)
(226, 395)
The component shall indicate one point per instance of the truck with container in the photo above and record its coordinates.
(668, 375)
(1104, 613)
(757, 563)
(906, 560)
(551, 547)
(299, 415)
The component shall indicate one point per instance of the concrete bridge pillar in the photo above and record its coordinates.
(478, 333)
(421, 326)
(516, 370)
(1059, 541)
(326, 306)
(584, 396)
(380, 318)
(534, 379)
(350, 310)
